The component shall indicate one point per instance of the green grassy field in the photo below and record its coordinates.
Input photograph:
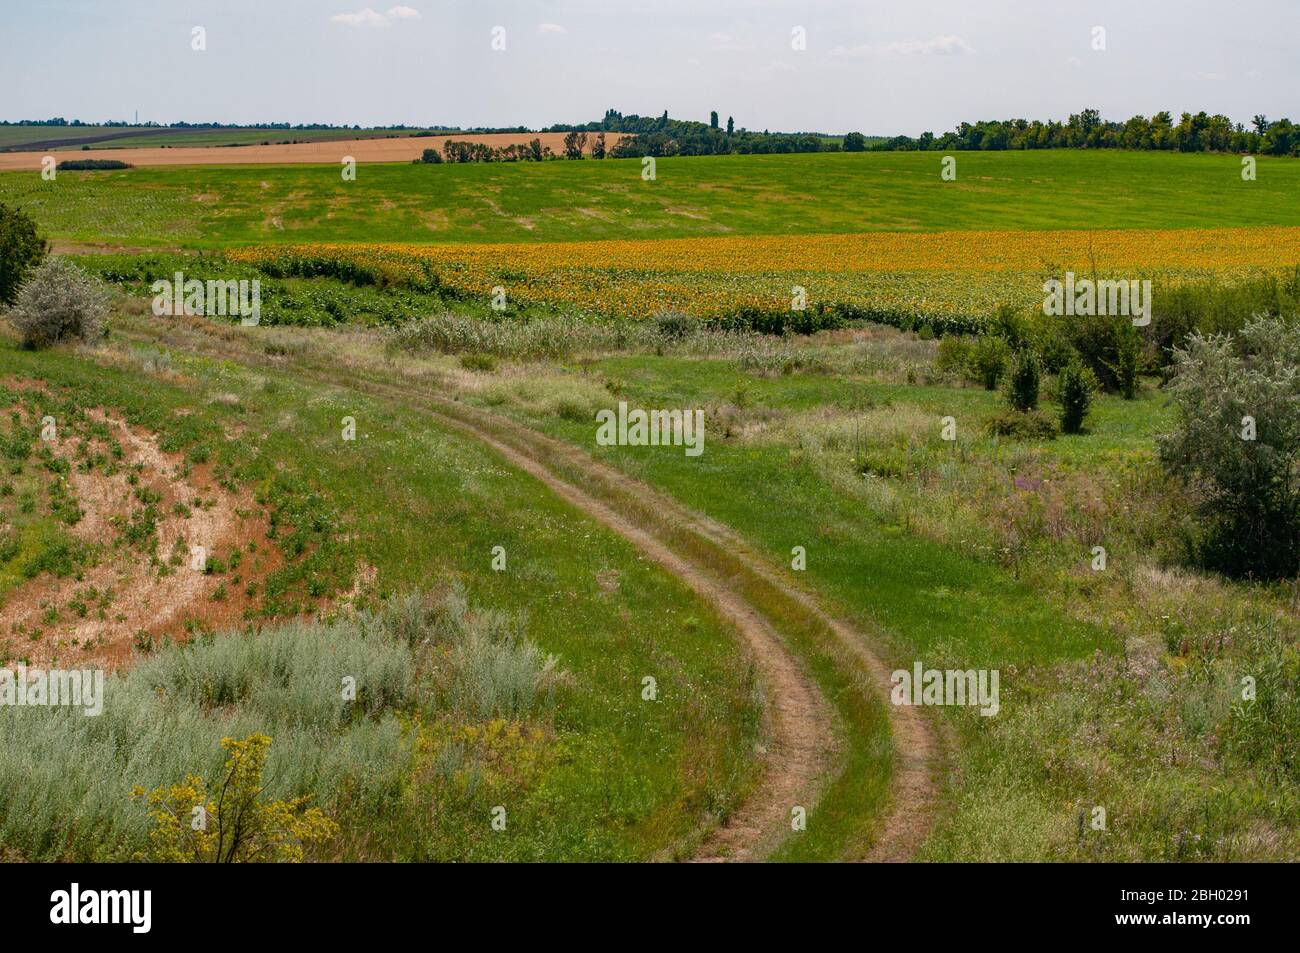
(208, 207)
(1119, 686)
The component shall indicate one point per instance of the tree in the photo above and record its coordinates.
(1236, 446)
(1260, 123)
(598, 146)
(731, 126)
(238, 827)
(1077, 385)
(713, 119)
(1022, 383)
(21, 249)
(574, 144)
(854, 142)
(57, 302)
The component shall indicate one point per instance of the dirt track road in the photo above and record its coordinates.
(803, 731)
(802, 723)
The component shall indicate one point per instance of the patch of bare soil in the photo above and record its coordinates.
(133, 594)
(403, 149)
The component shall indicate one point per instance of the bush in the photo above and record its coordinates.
(953, 356)
(1022, 385)
(1011, 326)
(21, 249)
(1077, 385)
(1023, 425)
(59, 301)
(1051, 342)
(478, 362)
(430, 157)
(241, 826)
(988, 361)
(1113, 348)
(92, 165)
(1237, 445)
(675, 325)
(1128, 359)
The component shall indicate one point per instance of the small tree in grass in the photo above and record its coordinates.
(1237, 446)
(21, 249)
(1077, 385)
(988, 360)
(232, 824)
(1023, 381)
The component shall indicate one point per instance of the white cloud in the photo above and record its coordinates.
(370, 17)
(726, 43)
(550, 28)
(946, 45)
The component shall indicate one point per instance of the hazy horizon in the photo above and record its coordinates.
(868, 67)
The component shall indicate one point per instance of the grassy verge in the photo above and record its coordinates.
(411, 505)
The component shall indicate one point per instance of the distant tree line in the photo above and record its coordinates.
(1193, 132)
(661, 136)
(454, 150)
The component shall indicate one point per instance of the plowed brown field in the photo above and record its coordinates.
(363, 150)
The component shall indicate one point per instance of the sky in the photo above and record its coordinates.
(881, 68)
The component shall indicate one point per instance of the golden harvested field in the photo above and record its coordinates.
(403, 149)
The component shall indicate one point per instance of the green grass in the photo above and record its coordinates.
(928, 597)
(1119, 688)
(424, 507)
(212, 206)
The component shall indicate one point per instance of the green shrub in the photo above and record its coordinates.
(1077, 385)
(988, 361)
(1237, 446)
(478, 362)
(1023, 425)
(1113, 348)
(953, 356)
(675, 325)
(1010, 325)
(1052, 343)
(1023, 381)
(92, 165)
(21, 249)
(57, 302)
